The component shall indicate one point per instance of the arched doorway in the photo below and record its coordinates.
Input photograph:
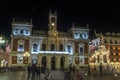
(53, 63)
(44, 61)
(62, 63)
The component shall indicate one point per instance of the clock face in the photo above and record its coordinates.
(53, 24)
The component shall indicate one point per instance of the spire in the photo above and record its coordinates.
(95, 33)
(31, 21)
(101, 38)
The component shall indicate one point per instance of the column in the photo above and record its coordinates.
(66, 61)
(49, 61)
(58, 62)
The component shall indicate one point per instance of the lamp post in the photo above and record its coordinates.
(26, 56)
(26, 59)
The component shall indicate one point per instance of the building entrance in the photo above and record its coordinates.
(44, 61)
(62, 63)
(53, 63)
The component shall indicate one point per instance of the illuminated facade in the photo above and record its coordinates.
(53, 49)
(112, 44)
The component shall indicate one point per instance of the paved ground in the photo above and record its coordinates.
(55, 75)
(58, 75)
(95, 75)
(12, 75)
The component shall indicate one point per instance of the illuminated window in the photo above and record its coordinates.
(81, 59)
(69, 48)
(81, 35)
(16, 31)
(81, 48)
(35, 47)
(27, 32)
(77, 36)
(19, 59)
(20, 47)
(43, 47)
(52, 47)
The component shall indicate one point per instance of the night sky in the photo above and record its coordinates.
(99, 15)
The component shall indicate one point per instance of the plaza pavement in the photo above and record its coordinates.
(59, 75)
(95, 75)
(10, 75)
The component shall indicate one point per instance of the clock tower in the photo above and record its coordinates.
(52, 24)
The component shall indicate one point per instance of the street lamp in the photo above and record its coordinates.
(26, 56)
(26, 59)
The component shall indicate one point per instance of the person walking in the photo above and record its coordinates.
(33, 70)
(28, 71)
(38, 70)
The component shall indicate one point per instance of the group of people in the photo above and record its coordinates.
(34, 72)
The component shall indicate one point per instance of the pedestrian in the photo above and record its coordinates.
(38, 72)
(33, 70)
(48, 76)
(28, 71)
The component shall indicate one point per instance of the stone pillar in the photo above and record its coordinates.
(39, 59)
(58, 62)
(49, 61)
(66, 61)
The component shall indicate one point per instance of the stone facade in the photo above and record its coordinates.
(52, 49)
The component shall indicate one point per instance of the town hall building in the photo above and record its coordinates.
(52, 49)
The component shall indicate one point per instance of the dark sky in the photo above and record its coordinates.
(98, 15)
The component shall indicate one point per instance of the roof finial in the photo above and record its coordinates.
(13, 19)
(31, 21)
(95, 33)
(87, 25)
(50, 11)
(73, 25)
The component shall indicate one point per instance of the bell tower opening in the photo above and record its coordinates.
(52, 24)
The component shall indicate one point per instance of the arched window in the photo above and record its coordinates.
(116, 42)
(21, 31)
(26, 31)
(52, 47)
(61, 47)
(16, 31)
(35, 47)
(43, 47)
(105, 41)
(80, 35)
(69, 48)
(81, 48)
(21, 45)
(111, 42)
